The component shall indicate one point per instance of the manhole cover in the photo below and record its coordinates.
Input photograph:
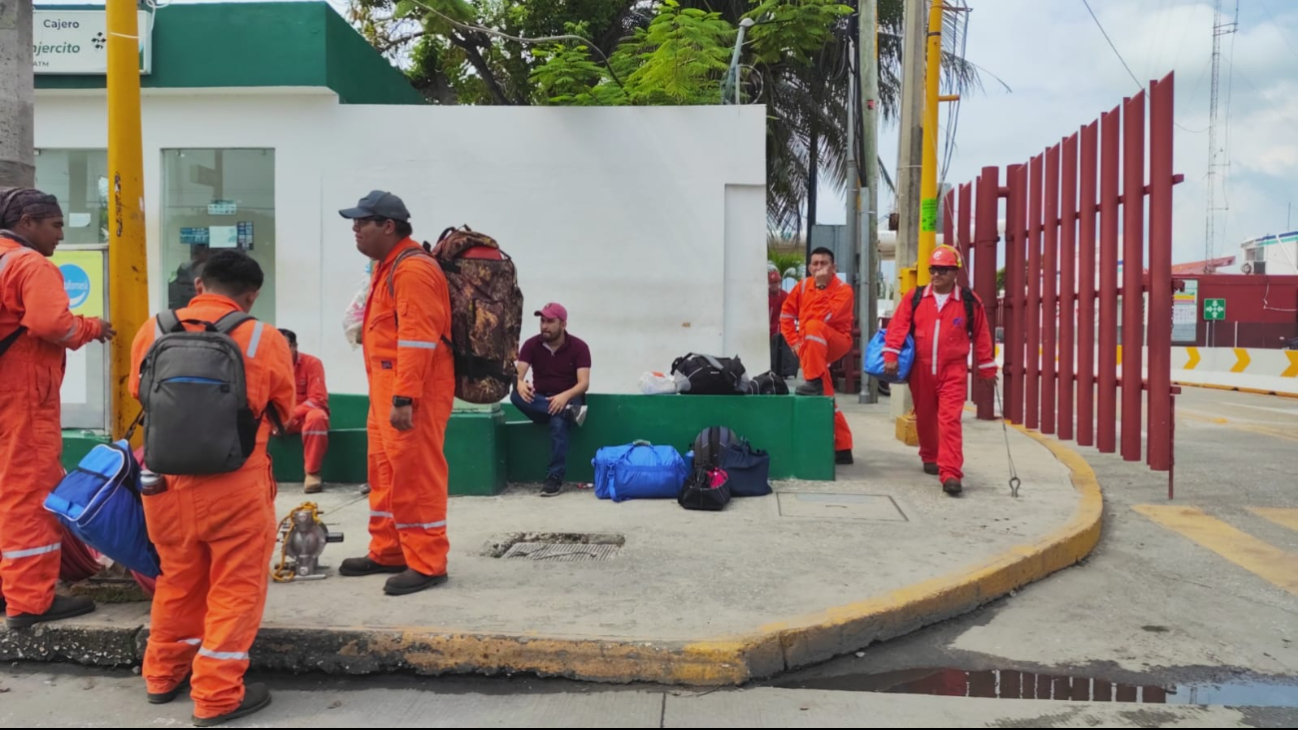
(835, 506)
(557, 547)
(560, 553)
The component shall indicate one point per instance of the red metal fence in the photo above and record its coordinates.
(1064, 209)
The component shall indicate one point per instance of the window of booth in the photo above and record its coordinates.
(79, 179)
(214, 199)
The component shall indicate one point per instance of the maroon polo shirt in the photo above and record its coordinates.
(555, 372)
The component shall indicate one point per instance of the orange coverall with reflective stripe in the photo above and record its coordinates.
(31, 436)
(405, 355)
(215, 534)
(311, 417)
(823, 335)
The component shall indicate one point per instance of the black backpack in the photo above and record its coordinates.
(966, 295)
(710, 446)
(709, 375)
(768, 383)
(698, 493)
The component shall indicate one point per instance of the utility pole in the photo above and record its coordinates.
(17, 116)
(128, 277)
(1216, 168)
(910, 158)
(928, 184)
(867, 213)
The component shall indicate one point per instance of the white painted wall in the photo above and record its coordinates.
(647, 223)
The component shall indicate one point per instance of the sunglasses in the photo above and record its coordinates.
(941, 270)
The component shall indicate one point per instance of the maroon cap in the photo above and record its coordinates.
(553, 310)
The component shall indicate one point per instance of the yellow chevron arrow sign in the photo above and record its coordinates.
(1242, 360)
(1292, 372)
(1193, 352)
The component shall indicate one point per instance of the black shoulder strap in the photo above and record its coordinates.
(230, 322)
(970, 301)
(915, 299)
(12, 338)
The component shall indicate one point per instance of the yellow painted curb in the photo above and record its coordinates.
(729, 660)
(1254, 391)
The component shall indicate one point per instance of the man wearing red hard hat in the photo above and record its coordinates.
(947, 322)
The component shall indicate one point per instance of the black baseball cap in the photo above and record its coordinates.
(378, 204)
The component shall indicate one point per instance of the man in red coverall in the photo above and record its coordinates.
(311, 417)
(939, 377)
(822, 307)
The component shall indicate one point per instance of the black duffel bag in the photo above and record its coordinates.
(710, 375)
(748, 469)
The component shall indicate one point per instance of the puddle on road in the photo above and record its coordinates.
(1016, 685)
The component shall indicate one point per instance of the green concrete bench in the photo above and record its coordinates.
(486, 448)
(798, 433)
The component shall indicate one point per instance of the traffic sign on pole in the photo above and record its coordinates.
(1214, 309)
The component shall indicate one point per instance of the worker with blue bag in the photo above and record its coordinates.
(36, 330)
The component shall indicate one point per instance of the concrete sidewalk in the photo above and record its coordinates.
(817, 570)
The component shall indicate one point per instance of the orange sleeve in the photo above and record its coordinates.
(842, 305)
(46, 308)
(317, 394)
(282, 391)
(422, 303)
(789, 317)
(139, 348)
(899, 327)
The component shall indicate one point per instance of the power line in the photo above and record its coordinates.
(1100, 25)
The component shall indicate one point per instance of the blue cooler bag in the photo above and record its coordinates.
(100, 503)
(874, 358)
(638, 470)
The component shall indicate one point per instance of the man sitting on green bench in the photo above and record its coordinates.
(560, 366)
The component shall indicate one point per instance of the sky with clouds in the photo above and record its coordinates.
(1063, 74)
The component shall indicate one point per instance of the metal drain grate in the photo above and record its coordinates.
(560, 552)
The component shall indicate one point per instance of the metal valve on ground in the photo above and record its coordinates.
(304, 536)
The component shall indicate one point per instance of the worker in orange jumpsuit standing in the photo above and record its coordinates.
(817, 322)
(940, 376)
(411, 369)
(36, 328)
(311, 418)
(215, 534)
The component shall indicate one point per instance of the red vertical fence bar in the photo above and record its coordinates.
(1017, 278)
(1049, 292)
(1133, 269)
(1162, 97)
(1107, 412)
(984, 244)
(967, 255)
(1067, 286)
(1086, 264)
(948, 228)
(1033, 386)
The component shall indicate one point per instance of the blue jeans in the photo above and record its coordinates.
(560, 428)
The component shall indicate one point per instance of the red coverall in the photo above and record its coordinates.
(311, 418)
(215, 534)
(405, 355)
(824, 335)
(939, 378)
(32, 295)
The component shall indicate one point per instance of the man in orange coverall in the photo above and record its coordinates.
(215, 534)
(408, 358)
(822, 307)
(311, 418)
(944, 335)
(35, 330)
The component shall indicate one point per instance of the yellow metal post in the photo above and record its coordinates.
(928, 173)
(128, 278)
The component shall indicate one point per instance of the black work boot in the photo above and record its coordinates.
(552, 487)
(844, 457)
(811, 387)
(255, 698)
(356, 567)
(63, 607)
(411, 581)
(930, 468)
(952, 487)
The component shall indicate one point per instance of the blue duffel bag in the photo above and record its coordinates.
(638, 470)
(874, 358)
(100, 503)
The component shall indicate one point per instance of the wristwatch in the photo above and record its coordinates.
(399, 401)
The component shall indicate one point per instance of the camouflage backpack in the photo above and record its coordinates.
(486, 313)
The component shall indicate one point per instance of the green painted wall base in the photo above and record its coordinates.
(486, 449)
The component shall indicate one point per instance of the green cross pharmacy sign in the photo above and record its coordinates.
(1214, 309)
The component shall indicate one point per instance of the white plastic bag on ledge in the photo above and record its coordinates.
(354, 315)
(657, 384)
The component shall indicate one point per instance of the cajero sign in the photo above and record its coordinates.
(76, 41)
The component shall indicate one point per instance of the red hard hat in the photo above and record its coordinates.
(773, 276)
(945, 256)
